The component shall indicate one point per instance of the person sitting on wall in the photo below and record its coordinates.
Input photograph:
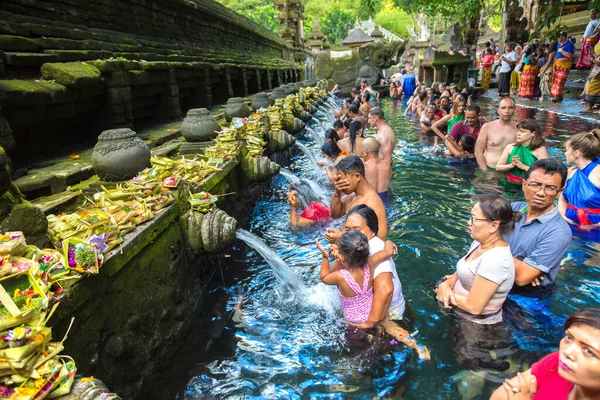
(301, 196)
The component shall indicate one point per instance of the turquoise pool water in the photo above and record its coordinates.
(291, 344)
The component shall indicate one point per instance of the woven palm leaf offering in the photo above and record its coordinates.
(22, 298)
(203, 202)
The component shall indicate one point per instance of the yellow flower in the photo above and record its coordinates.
(17, 293)
(90, 379)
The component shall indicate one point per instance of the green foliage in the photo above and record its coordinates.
(335, 25)
(368, 8)
(460, 10)
(395, 21)
(263, 12)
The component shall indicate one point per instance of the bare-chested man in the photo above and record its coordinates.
(353, 113)
(496, 135)
(377, 171)
(350, 182)
(385, 135)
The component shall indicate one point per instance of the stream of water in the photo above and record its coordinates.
(289, 339)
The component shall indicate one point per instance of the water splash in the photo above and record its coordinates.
(308, 188)
(316, 137)
(282, 271)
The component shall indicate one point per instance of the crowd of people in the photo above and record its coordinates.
(517, 247)
(536, 69)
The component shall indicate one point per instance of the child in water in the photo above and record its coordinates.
(352, 254)
(356, 266)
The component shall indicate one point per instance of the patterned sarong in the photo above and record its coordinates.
(585, 57)
(559, 78)
(486, 78)
(528, 79)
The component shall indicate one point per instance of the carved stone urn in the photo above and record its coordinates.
(199, 126)
(261, 100)
(236, 107)
(120, 155)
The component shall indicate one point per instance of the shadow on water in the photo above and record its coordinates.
(283, 346)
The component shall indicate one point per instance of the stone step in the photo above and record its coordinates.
(167, 149)
(28, 59)
(54, 178)
(57, 202)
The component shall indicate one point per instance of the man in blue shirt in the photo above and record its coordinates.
(542, 236)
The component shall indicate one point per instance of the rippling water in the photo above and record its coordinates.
(293, 344)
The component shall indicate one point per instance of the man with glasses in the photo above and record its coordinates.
(542, 236)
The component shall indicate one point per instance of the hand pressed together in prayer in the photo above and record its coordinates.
(520, 388)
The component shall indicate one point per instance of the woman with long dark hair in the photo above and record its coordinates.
(352, 145)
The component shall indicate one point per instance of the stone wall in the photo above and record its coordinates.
(70, 68)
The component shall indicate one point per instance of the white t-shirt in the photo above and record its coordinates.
(495, 265)
(506, 67)
(397, 305)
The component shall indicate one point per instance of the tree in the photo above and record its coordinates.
(368, 8)
(263, 12)
(336, 23)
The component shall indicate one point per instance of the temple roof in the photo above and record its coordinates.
(357, 36)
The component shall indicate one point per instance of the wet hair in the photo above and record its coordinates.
(306, 194)
(351, 165)
(347, 122)
(338, 124)
(356, 102)
(588, 143)
(586, 316)
(354, 128)
(473, 107)
(432, 100)
(367, 214)
(331, 134)
(550, 166)
(353, 109)
(497, 208)
(532, 125)
(331, 149)
(354, 91)
(376, 112)
(367, 97)
(354, 246)
(422, 96)
(468, 143)
(348, 100)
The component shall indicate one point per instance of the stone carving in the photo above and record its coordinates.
(292, 126)
(259, 169)
(366, 62)
(261, 100)
(199, 126)
(279, 140)
(120, 155)
(304, 116)
(236, 107)
(210, 232)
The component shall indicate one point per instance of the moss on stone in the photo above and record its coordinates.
(9, 200)
(17, 43)
(71, 74)
(21, 93)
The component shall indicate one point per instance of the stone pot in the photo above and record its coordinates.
(261, 100)
(199, 126)
(278, 93)
(120, 155)
(236, 107)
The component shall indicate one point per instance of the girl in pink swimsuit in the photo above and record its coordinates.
(356, 266)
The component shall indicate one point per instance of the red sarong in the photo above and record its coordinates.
(585, 57)
(528, 77)
(316, 211)
(559, 78)
(582, 214)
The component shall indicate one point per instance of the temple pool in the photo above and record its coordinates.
(290, 343)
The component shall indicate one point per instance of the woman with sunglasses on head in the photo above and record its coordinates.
(571, 373)
(579, 204)
(483, 278)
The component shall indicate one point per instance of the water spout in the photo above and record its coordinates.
(284, 273)
(307, 188)
(316, 137)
